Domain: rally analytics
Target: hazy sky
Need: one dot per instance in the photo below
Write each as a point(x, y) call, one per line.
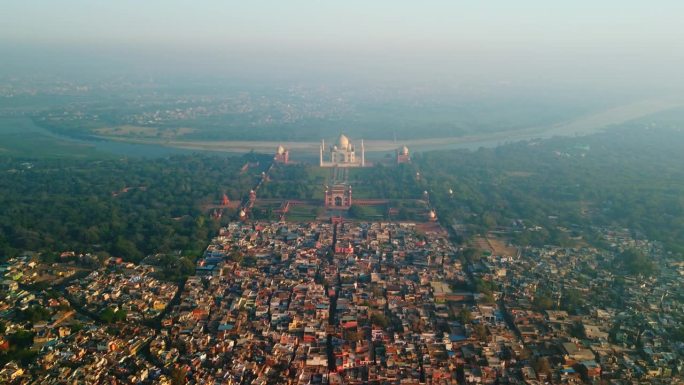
point(362, 23)
point(625, 38)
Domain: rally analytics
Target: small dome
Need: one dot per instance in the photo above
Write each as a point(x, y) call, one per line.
point(343, 142)
point(281, 150)
point(404, 150)
point(432, 214)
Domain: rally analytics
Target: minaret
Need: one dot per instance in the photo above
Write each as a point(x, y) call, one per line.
point(363, 154)
point(321, 152)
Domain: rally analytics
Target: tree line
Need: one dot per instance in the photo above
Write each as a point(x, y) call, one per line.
point(128, 207)
point(557, 190)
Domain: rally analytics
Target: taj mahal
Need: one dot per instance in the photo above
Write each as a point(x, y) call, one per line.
point(342, 154)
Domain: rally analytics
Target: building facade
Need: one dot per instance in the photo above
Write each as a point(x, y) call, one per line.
point(403, 155)
point(342, 154)
point(282, 155)
point(338, 196)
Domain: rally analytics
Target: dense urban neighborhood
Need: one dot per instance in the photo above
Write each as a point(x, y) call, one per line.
point(341, 192)
point(344, 302)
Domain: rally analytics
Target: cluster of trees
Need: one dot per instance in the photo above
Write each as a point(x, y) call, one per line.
point(677, 334)
point(388, 182)
point(465, 316)
point(34, 314)
point(293, 182)
point(568, 299)
point(629, 177)
point(487, 288)
point(544, 299)
point(172, 267)
point(110, 315)
point(380, 320)
point(20, 343)
point(128, 208)
point(634, 262)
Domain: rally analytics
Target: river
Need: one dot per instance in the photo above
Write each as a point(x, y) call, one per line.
point(308, 151)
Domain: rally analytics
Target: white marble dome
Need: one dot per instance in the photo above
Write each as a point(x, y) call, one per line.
point(343, 142)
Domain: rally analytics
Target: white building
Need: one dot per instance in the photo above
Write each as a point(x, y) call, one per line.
point(342, 154)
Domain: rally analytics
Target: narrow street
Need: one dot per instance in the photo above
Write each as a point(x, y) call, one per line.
point(330, 349)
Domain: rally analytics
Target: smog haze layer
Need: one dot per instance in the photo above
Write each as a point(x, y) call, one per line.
point(300, 71)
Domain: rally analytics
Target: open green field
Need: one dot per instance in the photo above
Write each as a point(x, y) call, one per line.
point(370, 213)
point(302, 213)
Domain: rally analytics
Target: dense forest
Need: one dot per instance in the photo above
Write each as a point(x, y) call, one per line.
point(296, 181)
point(128, 208)
point(555, 190)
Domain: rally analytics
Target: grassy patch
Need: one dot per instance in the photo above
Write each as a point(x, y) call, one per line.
point(302, 213)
